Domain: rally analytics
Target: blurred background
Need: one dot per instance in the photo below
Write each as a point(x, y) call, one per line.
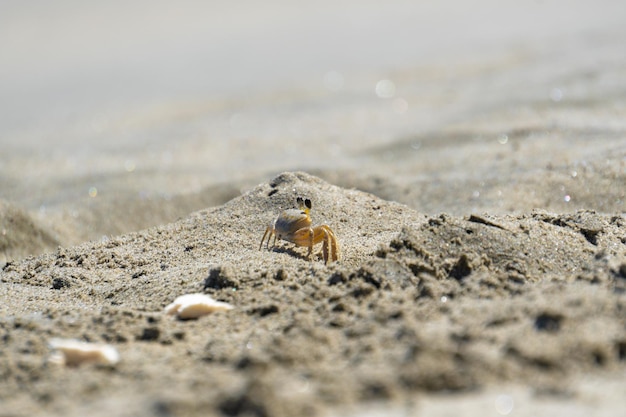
point(116, 116)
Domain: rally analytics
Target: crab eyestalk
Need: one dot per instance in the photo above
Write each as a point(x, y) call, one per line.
point(304, 204)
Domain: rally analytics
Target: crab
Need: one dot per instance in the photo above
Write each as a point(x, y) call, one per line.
point(294, 225)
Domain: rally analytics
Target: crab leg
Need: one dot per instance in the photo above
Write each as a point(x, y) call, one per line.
point(309, 237)
point(331, 241)
point(269, 231)
point(311, 243)
point(325, 248)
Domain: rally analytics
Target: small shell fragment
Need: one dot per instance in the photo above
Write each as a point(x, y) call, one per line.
point(192, 306)
point(72, 352)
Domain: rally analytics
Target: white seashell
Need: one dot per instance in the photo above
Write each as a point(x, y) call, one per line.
point(192, 306)
point(72, 352)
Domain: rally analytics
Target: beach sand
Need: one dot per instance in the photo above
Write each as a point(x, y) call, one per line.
point(479, 208)
point(417, 304)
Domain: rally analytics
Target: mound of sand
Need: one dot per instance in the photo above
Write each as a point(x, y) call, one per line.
point(123, 211)
point(417, 304)
point(21, 235)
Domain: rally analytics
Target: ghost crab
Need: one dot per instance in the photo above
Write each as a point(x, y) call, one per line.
point(294, 225)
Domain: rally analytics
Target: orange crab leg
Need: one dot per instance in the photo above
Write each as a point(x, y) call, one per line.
point(330, 243)
point(268, 232)
point(304, 237)
point(311, 236)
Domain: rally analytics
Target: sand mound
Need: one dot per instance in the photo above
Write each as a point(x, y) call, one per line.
point(417, 304)
point(21, 235)
point(130, 211)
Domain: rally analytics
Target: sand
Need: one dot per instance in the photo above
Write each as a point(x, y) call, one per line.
point(480, 211)
point(417, 304)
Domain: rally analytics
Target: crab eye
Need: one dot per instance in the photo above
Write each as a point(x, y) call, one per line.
point(307, 203)
point(299, 201)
